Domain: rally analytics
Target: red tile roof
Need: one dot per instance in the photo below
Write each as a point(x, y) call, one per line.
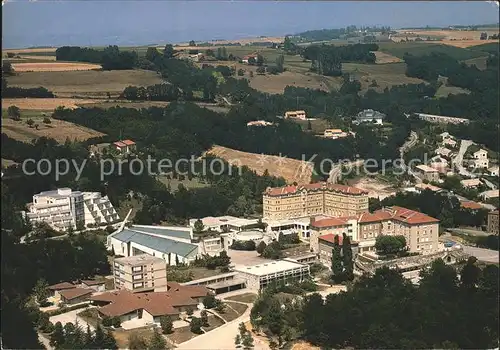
point(281, 191)
point(73, 293)
point(61, 286)
point(330, 222)
point(470, 205)
point(128, 142)
point(156, 303)
point(410, 216)
point(119, 144)
point(331, 238)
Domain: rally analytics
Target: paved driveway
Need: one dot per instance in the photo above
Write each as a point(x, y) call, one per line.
point(486, 255)
point(70, 317)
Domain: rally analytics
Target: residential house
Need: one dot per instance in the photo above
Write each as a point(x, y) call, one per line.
point(321, 198)
point(75, 295)
point(481, 159)
point(64, 208)
point(470, 205)
point(140, 273)
point(150, 307)
point(440, 164)
point(493, 170)
point(493, 222)
point(449, 142)
point(125, 146)
point(96, 285)
point(471, 183)
point(55, 289)
point(259, 123)
point(296, 115)
point(445, 135)
point(422, 187)
point(246, 58)
point(427, 173)
point(420, 230)
point(334, 133)
point(489, 194)
point(370, 116)
point(443, 151)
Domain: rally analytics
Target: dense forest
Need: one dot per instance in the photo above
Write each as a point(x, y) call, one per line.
point(110, 58)
point(16, 92)
point(386, 311)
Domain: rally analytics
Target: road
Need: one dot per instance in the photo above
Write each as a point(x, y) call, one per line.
point(222, 338)
point(490, 184)
point(413, 139)
point(486, 255)
point(335, 173)
point(459, 158)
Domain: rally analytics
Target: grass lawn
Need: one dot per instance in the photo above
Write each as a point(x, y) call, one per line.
point(181, 335)
point(424, 48)
point(213, 322)
point(174, 183)
point(479, 62)
point(91, 83)
point(233, 310)
point(91, 316)
point(125, 206)
point(244, 298)
point(122, 335)
point(318, 126)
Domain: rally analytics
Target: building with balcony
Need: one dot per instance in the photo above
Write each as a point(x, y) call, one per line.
point(291, 202)
point(370, 116)
point(296, 115)
point(481, 159)
point(140, 273)
point(63, 208)
point(427, 173)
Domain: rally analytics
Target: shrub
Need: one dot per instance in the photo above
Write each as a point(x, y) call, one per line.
point(65, 309)
point(209, 302)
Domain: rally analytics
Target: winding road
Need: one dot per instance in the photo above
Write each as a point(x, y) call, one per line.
point(412, 140)
point(459, 158)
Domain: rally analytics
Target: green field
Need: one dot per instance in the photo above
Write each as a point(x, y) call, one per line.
point(423, 48)
point(492, 48)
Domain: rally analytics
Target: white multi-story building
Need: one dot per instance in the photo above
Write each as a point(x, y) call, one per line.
point(64, 208)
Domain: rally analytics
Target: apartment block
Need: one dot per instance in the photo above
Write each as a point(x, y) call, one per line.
point(427, 173)
point(64, 208)
point(140, 273)
point(313, 199)
point(420, 230)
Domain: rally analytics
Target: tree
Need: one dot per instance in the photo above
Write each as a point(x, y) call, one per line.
point(169, 51)
point(152, 54)
point(195, 325)
point(337, 268)
point(260, 60)
point(198, 226)
point(390, 244)
point(57, 337)
point(204, 318)
point(41, 291)
point(469, 276)
point(242, 329)
point(347, 258)
point(192, 43)
point(30, 122)
point(157, 342)
point(166, 324)
point(189, 312)
point(261, 70)
point(261, 247)
point(251, 74)
point(7, 68)
point(47, 120)
point(241, 72)
point(237, 340)
point(247, 341)
point(136, 342)
point(484, 36)
point(220, 308)
point(209, 302)
point(14, 112)
point(309, 125)
point(280, 61)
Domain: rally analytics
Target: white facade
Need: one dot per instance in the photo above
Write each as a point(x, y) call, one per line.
point(225, 223)
point(370, 116)
point(481, 159)
point(64, 208)
point(280, 271)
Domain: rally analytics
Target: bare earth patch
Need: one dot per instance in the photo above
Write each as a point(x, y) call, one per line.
point(43, 58)
point(39, 49)
point(44, 103)
point(448, 35)
point(121, 336)
point(375, 188)
point(57, 129)
point(466, 43)
point(383, 57)
point(292, 170)
point(53, 67)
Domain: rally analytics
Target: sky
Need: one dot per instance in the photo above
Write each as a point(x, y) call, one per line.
point(27, 23)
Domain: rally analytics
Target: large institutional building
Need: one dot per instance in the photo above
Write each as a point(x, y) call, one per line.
point(64, 208)
point(420, 230)
point(140, 273)
point(313, 199)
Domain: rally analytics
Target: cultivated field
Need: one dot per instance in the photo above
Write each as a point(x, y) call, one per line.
point(38, 49)
point(425, 48)
point(53, 66)
point(447, 35)
point(467, 43)
point(292, 170)
point(275, 84)
point(479, 62)
point(384, 57)
point(57, 129)
point(44, 104)
point(85, 83)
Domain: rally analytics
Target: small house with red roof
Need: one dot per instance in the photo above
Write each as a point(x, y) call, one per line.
point(326, 243)
point(125, 146)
